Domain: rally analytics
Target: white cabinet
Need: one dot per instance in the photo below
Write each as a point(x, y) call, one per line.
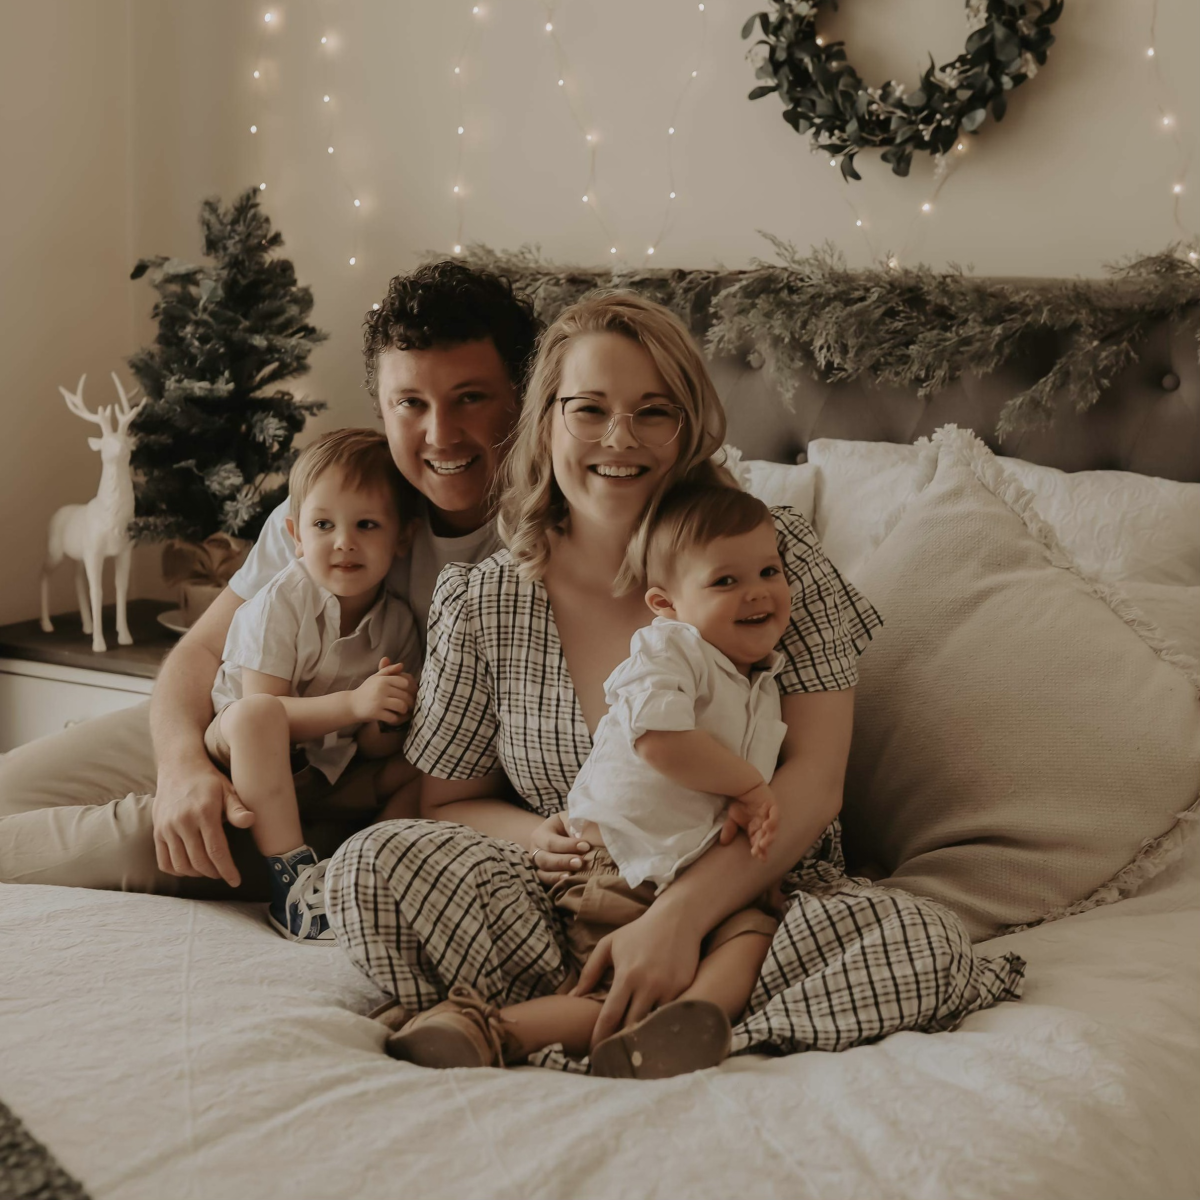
point(39, 698)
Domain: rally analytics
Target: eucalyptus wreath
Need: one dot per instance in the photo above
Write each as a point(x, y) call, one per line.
point(824, 95)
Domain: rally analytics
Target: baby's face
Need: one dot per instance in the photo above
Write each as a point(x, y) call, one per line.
point(348, 537)
point(734, 592)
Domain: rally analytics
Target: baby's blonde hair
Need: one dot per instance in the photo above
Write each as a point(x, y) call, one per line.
point(531, 503)
point(365, 460)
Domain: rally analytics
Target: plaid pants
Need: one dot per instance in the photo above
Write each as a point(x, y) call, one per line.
point(421, 905)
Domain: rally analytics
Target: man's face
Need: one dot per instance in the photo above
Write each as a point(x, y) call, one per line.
point(446, 412)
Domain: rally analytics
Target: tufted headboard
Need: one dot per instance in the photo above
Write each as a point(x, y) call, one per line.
point(1148, 421)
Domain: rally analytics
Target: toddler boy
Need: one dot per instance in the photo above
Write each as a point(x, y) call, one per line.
point(306, 687)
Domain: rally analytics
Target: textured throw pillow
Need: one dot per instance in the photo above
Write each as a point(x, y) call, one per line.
point(1024, 738)
point(1175, 610)
point(861, 490)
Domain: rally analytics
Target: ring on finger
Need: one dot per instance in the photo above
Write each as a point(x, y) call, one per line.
point(533, 856)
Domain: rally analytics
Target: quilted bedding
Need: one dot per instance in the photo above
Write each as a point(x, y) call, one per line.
point(165, 1048)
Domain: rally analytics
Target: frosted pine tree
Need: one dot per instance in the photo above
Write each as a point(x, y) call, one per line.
point(215, 440)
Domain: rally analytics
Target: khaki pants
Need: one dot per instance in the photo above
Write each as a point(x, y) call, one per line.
point(75, 810)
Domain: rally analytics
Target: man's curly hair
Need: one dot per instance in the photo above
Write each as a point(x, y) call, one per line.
point(446, 303)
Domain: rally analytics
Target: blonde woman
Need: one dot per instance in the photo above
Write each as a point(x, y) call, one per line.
point(453, 911)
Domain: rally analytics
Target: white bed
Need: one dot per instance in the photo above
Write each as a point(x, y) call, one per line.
point(174, 1050)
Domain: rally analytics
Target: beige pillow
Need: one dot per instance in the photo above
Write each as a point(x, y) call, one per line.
point(1024, 738)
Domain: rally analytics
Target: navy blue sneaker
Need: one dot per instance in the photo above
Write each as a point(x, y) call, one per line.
point(297, 908)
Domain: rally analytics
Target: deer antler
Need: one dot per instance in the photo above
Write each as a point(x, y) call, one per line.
point(125, 413)
point(75, 404)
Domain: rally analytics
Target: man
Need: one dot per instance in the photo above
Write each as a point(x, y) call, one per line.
point(445, 358)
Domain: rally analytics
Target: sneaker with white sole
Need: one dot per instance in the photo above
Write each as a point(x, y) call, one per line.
point(297, 908)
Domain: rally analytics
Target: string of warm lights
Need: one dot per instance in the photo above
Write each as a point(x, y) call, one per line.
point(264, 78)
point(1168, 123)
point(566, 81)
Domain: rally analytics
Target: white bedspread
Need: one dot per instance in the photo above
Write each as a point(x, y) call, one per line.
point(167, 1050)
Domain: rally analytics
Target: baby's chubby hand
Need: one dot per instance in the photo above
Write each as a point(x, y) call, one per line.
point(757, 812)
point(387, 696)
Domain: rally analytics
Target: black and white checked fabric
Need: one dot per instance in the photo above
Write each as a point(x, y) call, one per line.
point(496, 692)
point(421, 905)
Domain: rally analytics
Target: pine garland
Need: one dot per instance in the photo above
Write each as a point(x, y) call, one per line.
point(911, 327)
point(214, 444)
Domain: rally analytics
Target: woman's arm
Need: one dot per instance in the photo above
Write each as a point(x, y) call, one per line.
point(654, 959)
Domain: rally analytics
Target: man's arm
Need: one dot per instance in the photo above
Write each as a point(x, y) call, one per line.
point(193, 798)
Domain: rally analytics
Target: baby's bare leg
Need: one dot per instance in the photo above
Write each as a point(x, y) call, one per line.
point(551, 1020)
point(256, 728)
point(727, 976)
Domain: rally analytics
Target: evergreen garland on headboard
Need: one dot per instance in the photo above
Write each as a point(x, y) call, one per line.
point(908, 327)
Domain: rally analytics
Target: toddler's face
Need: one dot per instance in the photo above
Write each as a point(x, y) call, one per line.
point(734, 592)
point(348, 537)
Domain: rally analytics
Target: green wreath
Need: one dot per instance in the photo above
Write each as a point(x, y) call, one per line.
point(824, 94)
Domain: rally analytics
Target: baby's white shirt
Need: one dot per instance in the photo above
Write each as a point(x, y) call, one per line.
point(292, 628)
point(673, 679)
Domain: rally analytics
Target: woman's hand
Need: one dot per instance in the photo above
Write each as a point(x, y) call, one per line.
point(554, 852)
point(654, 961)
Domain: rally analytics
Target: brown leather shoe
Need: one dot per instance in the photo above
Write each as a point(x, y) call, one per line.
point(680, 1037)
point(465, 1030)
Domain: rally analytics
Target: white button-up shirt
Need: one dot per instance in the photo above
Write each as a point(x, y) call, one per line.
point(291, 628)
point(673, 679)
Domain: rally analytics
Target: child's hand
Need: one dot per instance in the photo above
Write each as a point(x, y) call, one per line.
point(387, 697)
point(554, 851)
point(757, 812)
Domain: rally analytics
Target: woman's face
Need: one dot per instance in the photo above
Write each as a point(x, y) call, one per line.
point(613, 479)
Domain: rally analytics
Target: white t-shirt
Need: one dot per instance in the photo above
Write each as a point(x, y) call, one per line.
point(672, 679)
point(413, 577)
point(292, 629)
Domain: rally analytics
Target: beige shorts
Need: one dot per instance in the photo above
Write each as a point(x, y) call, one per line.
point(318, 799)
point(597, 900)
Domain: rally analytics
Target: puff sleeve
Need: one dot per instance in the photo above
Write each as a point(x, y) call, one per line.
point(832, 621)
point(453, 732)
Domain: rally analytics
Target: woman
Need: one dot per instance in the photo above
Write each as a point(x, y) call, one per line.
point(519, 648)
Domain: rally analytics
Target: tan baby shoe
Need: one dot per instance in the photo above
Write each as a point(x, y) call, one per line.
point(680, 1037)
point(391, 1013)
point(465, 1030)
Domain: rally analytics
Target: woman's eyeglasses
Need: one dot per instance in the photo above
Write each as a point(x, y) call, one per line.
point(656, 424)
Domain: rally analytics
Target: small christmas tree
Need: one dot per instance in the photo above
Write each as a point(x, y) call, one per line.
point(215, 440)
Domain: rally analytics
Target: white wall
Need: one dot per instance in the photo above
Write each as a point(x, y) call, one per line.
point(155, 101)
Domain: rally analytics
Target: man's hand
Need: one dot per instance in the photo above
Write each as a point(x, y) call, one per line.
point(653, 960)
point(554, 851)
point(757, 812)
point(387, 696)
point(190, 807)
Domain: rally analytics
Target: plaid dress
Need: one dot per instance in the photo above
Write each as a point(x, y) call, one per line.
point(420, 905)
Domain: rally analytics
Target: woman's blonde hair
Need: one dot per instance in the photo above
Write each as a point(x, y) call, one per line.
point(531, 503)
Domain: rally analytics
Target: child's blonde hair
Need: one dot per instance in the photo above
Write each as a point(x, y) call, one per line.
point(531, 503)
point(690, 516)
point(365, 460)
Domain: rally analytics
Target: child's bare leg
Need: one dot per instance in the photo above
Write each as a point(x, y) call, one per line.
point(551, 1020)
point(727, 976)
point(256, 728)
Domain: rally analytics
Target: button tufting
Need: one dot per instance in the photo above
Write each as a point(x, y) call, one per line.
point(1170, 381)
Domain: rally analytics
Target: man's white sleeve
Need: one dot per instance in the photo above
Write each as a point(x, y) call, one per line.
point(273, 551)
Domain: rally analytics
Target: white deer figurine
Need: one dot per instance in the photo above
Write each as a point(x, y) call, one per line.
point(89, 533)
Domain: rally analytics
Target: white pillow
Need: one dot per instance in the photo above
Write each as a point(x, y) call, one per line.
point(774, 483)
point(861, 491)
point(1116, 525)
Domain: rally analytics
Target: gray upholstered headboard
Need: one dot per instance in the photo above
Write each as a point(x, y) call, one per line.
point(1148, 421)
